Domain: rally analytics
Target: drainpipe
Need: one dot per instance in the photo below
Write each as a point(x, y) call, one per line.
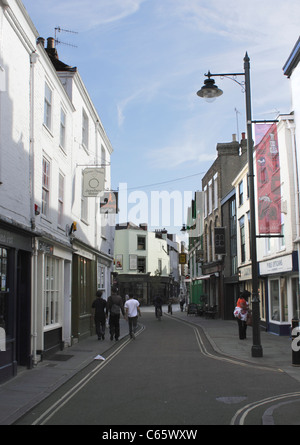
point(34, 300)
point(291, 127)
point(33, 60)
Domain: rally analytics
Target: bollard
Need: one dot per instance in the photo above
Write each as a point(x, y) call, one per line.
point(296, 342)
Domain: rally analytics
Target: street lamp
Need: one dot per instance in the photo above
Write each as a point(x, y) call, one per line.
point(210, 91)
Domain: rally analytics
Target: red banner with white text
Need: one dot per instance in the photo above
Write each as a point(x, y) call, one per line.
point(268, 179)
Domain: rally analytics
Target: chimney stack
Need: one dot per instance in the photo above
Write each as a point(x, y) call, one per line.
point(51, 50)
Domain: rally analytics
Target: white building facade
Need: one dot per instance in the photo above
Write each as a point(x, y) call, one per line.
point(277, 256)
point(146, 263)
point(56, 248)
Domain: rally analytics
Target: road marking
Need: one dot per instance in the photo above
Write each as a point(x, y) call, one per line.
point(267, 418)
point(207, 354)
point(243, 412)
point(49, 413)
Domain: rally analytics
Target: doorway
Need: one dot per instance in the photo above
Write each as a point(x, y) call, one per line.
point(23, 309)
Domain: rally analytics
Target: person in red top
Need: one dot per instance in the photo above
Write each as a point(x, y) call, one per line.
point(241, 313)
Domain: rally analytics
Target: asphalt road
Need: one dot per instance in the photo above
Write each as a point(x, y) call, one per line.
point(168, 375)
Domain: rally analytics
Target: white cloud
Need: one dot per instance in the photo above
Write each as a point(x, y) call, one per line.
point(253, 20)
point(88, 14)
point(174, 156)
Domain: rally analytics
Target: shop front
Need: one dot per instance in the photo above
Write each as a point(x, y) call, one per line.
point(84, 285)
point(282, 284)
point(213, 286)
point(52, 301)
point(145, 287)
point(15, 300)
point(245, 283)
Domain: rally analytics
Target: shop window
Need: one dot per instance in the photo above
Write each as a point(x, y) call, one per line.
point(101, 277)
point(296, 298)
point(51, 291)
point(3, 288)
point(84, 286)
point(283, 298)
point(278, 300)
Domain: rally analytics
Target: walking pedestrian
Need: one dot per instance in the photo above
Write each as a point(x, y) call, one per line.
point(241, 313)
point(99, 312)
point(170, 302)
point(182, 302)
point(114, 308)
point(132, 311)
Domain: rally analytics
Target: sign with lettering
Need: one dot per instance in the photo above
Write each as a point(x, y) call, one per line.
point(93, 182)
point(182, 258)
point(276, 265)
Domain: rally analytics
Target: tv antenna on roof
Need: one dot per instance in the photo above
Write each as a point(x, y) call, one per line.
point(59, 29)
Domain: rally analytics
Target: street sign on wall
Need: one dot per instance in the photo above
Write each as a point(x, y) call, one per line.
point(182, 258)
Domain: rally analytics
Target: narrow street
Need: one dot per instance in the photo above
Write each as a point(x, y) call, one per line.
point(168, 375)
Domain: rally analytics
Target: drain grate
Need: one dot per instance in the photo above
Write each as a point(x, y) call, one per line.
point(60, 357)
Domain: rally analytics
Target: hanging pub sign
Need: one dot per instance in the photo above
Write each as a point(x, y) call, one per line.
point(220, 241)
point(93, 182)
point(109, 202)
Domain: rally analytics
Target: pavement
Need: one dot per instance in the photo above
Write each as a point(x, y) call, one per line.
point(30, 386)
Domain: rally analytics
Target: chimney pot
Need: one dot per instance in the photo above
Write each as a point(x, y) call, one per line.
point(50, 43)
point(40, 41)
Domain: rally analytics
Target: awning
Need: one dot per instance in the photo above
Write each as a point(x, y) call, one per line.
point(202, 277)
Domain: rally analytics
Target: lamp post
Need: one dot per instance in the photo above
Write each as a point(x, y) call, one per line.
point(210, 91)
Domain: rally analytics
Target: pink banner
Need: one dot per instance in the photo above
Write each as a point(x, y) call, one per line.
point(268, 180)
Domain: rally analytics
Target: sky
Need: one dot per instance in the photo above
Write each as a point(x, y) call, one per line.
point(143, 61)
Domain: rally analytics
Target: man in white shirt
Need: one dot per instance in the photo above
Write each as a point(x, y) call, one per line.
point(132, 311)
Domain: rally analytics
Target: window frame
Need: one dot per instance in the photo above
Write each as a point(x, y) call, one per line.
point(46, 176)
point(85, 130)
point(52, 292)
point(61, 192)
point(48, 101)
point(62, 129)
